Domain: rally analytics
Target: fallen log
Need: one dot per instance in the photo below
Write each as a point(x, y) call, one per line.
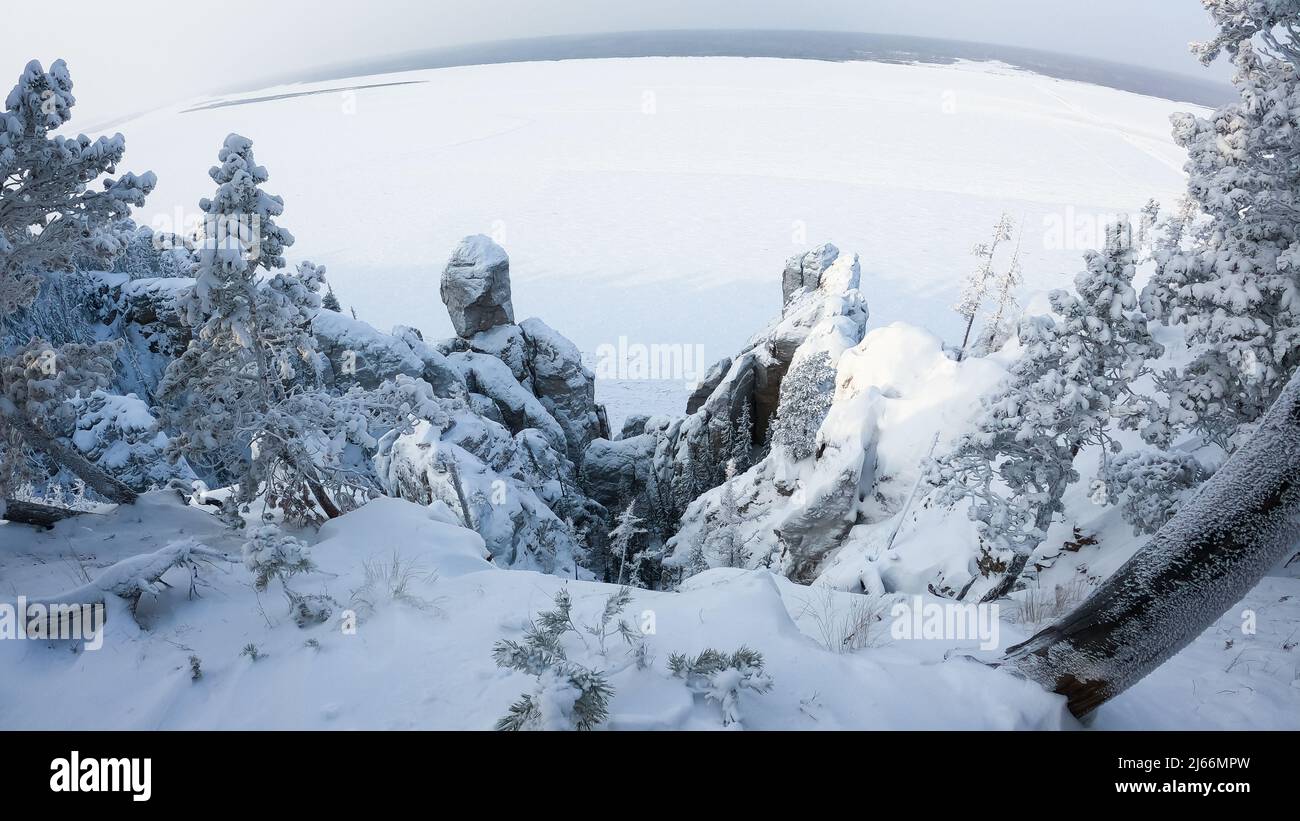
point(35, 514)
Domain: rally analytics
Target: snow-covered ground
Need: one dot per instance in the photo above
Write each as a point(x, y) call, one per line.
point(421, 657)
point(657, 198)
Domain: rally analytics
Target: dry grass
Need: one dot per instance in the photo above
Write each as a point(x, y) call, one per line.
point(845, 627)
point(1038, 606)
point(394, 579)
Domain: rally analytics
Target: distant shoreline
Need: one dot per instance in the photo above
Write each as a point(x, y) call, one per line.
point(803, 45)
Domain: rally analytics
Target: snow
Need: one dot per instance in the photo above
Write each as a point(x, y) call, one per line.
point(428, 652)
point(422, 658)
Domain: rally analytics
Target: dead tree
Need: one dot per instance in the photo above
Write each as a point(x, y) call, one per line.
point(1241, 523)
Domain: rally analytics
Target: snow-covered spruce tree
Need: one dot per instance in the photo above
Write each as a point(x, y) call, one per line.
point(1072, 382)
point(1238, 292)
point(51, 216)
point(330, 302)
point(806, 394)
point(981, 279)
point(1241, 522)
point(742, 441)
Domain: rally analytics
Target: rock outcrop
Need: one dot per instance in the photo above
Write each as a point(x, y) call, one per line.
point(508, 462)
point(476, 286)
point(547, 386)
point(824, 312)
point(564, 385)
point(804, 271)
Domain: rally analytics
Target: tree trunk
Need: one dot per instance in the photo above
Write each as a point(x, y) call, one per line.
point(327, 505)
point(1241, 523)
point(970, 323)
point(37, 515)
point(1004, 585)
point(95, 477)
point(460, 494)
point(1042, 521)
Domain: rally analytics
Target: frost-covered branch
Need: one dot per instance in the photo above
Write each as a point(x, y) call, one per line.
point(137, 575)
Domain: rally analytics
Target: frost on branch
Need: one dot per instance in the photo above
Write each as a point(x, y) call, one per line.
point(1150, 486)
point(132, 578)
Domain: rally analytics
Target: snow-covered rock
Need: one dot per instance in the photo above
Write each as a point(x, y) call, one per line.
point(613, 471)
point(829, 317)
point(496, 489)
point(805, 270)
point(832, 512)
point(633, 425)
point(360, 354)
point(476, 286)
point(507, 343)
point(565, 387)
point(445, 380)
point(490, 377)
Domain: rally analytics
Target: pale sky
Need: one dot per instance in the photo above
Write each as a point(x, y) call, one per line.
point(134, 56)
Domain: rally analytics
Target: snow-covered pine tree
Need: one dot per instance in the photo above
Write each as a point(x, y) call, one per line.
point(981, 279)
point(1001, 323)
point(1072, 382)
point(806, 395)
point(330, 302)
point(219, 389)
point(50, 217)
point(568, 695)
point(721, 677)
point(621, 543)
point(1237, 292)
point(742, 440)
point(149, 255)
point(725, 541)
point(246, 397)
